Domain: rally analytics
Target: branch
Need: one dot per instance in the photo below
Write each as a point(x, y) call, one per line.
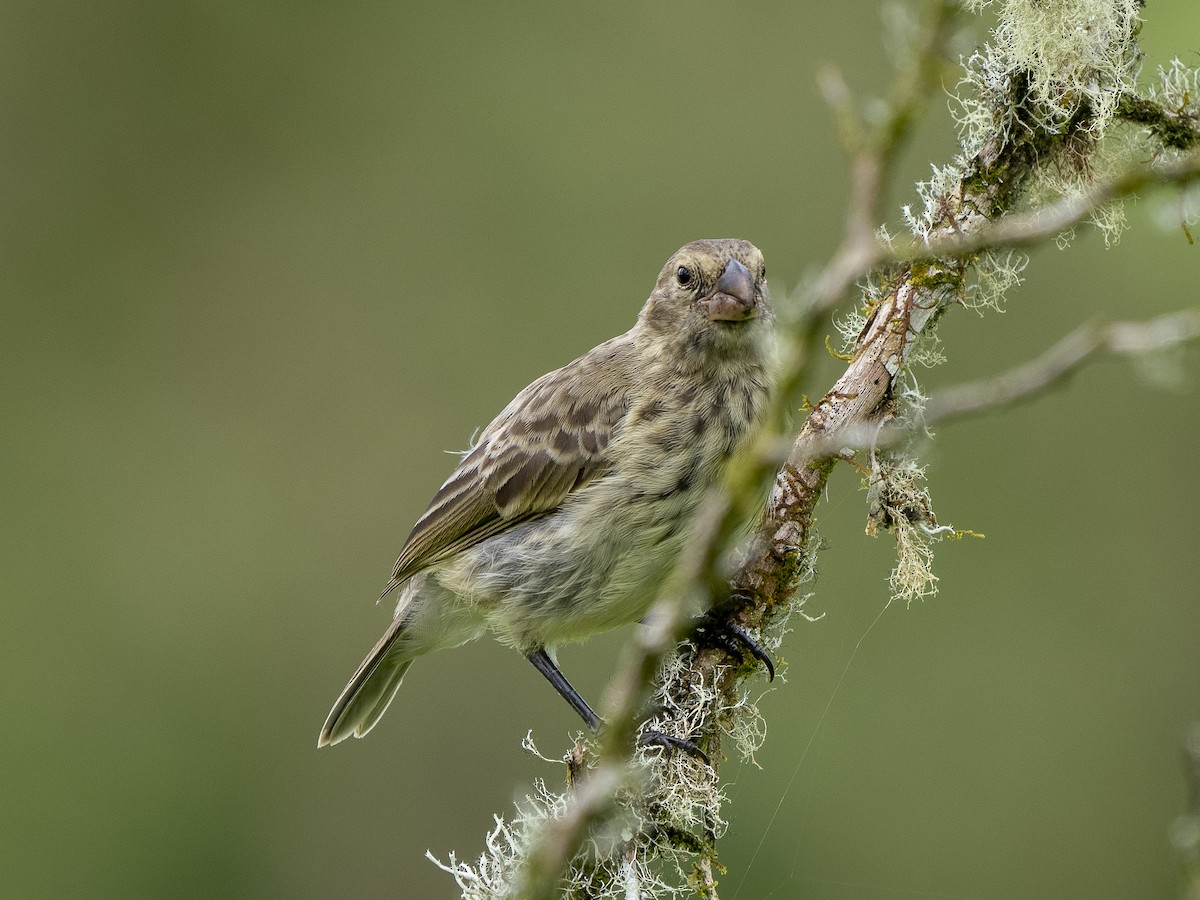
point(1061, 360)
point(1024, 382)
point(1035, 226)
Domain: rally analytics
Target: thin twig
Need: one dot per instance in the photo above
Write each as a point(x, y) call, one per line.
point(1024, 382)
point(1064, 358)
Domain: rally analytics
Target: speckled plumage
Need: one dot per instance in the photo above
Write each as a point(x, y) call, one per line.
point(568, 513)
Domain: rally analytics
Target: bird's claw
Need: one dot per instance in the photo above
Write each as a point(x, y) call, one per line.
point(716, 630)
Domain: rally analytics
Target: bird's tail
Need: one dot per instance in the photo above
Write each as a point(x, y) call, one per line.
point(365, 699)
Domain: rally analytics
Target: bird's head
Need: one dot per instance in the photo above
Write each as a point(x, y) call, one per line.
point(711, 297)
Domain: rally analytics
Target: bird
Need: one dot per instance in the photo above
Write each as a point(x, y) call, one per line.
point(567, 514)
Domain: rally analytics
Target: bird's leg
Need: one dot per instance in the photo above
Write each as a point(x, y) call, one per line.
point(716, 629)
point(544, 664)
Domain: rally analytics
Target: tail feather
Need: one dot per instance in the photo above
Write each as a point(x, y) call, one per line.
point(365, 699)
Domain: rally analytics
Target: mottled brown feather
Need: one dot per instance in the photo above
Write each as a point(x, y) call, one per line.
point(527, 461)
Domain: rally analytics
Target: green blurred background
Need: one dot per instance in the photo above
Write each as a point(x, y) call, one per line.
point(263, 263)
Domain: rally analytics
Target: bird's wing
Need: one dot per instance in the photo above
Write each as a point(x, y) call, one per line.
point(551, 440)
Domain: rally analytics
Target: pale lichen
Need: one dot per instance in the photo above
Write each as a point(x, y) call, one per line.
point(996, 273)
point(1074, 52)
point(1177, 88)
point(899, 502)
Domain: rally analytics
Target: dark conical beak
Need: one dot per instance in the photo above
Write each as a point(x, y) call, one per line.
point(737, 282)
point(733, 300)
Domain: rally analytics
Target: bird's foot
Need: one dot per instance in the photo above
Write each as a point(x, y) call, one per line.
point(717, 630)
point(669, 743)
point(652, 737)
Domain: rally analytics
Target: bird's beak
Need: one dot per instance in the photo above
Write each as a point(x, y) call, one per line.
point(733, 300)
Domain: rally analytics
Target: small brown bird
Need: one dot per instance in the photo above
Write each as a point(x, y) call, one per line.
point(569, 512)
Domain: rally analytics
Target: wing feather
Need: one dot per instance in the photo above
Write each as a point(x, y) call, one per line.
point(549, 442)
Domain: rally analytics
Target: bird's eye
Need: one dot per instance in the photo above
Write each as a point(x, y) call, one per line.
point(683, 275)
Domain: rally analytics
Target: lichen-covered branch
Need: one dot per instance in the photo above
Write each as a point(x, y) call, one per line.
point(1039, 106)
